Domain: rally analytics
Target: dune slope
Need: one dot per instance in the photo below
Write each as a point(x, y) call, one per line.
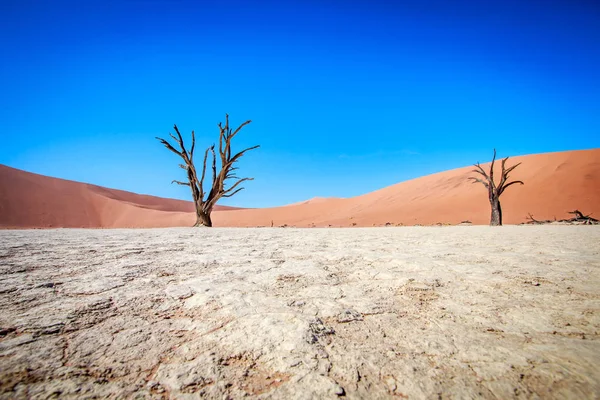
point(30, 200)
point(555, 183)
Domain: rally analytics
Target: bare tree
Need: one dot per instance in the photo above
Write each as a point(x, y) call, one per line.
point(204, 206)
point(494, 191)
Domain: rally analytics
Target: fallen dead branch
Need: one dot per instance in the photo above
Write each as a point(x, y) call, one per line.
point(579, 219)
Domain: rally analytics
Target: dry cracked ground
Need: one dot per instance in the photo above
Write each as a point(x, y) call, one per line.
point(449, 312)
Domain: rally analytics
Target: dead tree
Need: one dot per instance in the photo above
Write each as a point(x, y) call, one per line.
point(494, 191)
point(204, 206)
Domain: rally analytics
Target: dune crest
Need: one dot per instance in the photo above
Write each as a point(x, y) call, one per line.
point(555, 183)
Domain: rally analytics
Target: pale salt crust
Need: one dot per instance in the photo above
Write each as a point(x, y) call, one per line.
point(422, 312)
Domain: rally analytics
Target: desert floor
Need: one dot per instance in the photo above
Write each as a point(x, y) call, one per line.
point(450, 312)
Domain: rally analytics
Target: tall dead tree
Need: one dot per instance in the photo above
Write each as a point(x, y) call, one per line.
point(204, 206)
point(494, 191)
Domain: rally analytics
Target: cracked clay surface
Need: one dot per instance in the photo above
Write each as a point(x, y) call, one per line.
point(415, 312)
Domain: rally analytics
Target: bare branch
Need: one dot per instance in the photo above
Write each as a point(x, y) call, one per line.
point(475, 180)
point(224, 138)
point(236, 184)
point(481, 171)
point(503, 188)
point(535, 221)
point(505, 173)
point(201, 184)
point(241, 153)
point(239, 128)
point(193, 145)
point(197, 192)
point(168, 146)
point(174, 138)
point(231, 194)
point(578, 214)
point(509, 170)
point(577, 219)
point(214, 164)
point(180, 140)
point(221, 137)
point(180, 183)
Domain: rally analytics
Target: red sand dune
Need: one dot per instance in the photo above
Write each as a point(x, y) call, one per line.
point(554, 184)
point(35, 201)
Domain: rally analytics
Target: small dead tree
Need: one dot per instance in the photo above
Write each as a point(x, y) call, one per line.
point(204, 206)
point(494, 191)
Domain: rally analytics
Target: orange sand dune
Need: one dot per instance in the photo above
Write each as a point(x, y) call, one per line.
point(554, 184)
point(35, 201)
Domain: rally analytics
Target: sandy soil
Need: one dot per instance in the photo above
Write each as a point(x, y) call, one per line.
point(415, 312)
point(555, 183)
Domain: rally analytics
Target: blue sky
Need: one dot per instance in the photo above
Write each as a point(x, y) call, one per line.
point(346, 97)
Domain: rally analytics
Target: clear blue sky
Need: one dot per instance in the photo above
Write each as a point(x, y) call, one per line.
point(346, 96)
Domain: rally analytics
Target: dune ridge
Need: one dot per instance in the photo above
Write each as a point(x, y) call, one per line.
point(555, 183)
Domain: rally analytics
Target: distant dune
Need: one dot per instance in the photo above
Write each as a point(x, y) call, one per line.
point(555, 183)
point(35, 201)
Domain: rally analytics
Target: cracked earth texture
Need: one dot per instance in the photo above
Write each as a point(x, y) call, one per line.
point(412, 312)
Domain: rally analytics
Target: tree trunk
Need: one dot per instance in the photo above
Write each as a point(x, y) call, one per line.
point(203, 219)
point(496, 219)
